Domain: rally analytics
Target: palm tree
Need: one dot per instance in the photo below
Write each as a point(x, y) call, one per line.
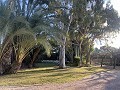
point(18, 36)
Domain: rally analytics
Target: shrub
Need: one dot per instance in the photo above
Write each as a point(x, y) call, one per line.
point(76, 61)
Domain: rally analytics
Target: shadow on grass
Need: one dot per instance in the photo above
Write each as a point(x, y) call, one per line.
point(52, 71)
point(43, 71)
point(48, 75)
point(57, 72)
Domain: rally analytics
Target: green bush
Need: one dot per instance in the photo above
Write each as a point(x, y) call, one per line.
point(76, 61)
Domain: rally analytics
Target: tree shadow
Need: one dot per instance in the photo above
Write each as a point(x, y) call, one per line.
point(114, 83)
point(106, 80)
point(47, 72)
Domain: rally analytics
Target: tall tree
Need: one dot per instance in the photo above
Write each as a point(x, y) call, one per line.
point(90, 18)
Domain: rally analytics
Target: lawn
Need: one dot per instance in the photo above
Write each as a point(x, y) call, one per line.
point(45, 75)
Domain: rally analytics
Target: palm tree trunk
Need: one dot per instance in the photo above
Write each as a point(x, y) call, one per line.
point(35, 54)
point(5, 61)
point(1, 68)
point(14, 67)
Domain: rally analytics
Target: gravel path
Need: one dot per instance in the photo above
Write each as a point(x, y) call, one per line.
point(109, 80)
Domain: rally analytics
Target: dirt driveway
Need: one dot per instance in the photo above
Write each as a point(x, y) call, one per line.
point(108, 80)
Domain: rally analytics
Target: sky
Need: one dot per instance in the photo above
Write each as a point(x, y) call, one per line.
point(116, 5)
point(114, 42)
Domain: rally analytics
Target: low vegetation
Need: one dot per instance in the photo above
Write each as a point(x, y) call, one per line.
point(45, 75)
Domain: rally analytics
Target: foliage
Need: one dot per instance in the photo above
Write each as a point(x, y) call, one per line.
point(76, 61)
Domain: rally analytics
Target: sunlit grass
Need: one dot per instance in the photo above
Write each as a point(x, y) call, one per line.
point(48, 75)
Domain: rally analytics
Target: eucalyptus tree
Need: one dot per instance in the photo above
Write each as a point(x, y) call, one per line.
point(106, 21)
point(82, 21)
point(64, 18)
point(90, 18)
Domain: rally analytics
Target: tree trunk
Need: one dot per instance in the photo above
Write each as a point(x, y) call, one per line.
point(35, 54)
point(14, 67)
point(72, 56)
point(102, 62)
point(111, 61)
point(1, 68)
point(88, 56)
point(90, 61)
point(5, 61)
point(80, 64)
point(76, 51)
point(62, 55)
point(114, 63)
point(23, 7)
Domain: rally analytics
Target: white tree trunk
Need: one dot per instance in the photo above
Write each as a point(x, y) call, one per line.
point(62, 54)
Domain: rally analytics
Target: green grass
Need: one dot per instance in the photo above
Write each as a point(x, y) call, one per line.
point(48, 75)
